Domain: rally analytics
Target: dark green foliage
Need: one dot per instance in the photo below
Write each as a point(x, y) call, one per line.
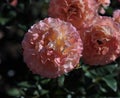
point(16, 81)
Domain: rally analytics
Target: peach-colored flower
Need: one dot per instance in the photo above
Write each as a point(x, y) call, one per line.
point(116, 16)
point(81, 13)
point(102, 42)
point(52, 47)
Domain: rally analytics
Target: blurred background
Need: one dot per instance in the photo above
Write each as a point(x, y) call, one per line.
point(16, 81)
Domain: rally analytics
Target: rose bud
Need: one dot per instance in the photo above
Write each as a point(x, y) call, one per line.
point(52, 47)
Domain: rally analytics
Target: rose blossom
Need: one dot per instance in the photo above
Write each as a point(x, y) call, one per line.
point(52, 47)
point(102, 42)
point(81, 13)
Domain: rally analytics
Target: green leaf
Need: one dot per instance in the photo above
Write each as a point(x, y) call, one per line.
point(101, 71)
point(88, 74)
point(61, 81)
point(24, 84)
point(45, 81)
point(37, 78)
point(36, 93)
point(43, 92)
point(39, 87)
point(109, 10)
point(14, 92)
point(85, 68)
point(102, 89)
point(12, 14)
point(110, 68)
point(111, 82)
point(3, 21)
point(23, 27)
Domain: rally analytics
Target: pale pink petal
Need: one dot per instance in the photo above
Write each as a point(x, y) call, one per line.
point(116, 16)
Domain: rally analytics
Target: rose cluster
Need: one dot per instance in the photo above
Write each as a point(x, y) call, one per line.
point(74, 30)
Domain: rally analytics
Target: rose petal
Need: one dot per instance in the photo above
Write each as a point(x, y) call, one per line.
point(116, 16)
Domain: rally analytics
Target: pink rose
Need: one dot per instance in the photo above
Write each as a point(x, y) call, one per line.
point(81, 13)
point(52, 47)
point(102, 42)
